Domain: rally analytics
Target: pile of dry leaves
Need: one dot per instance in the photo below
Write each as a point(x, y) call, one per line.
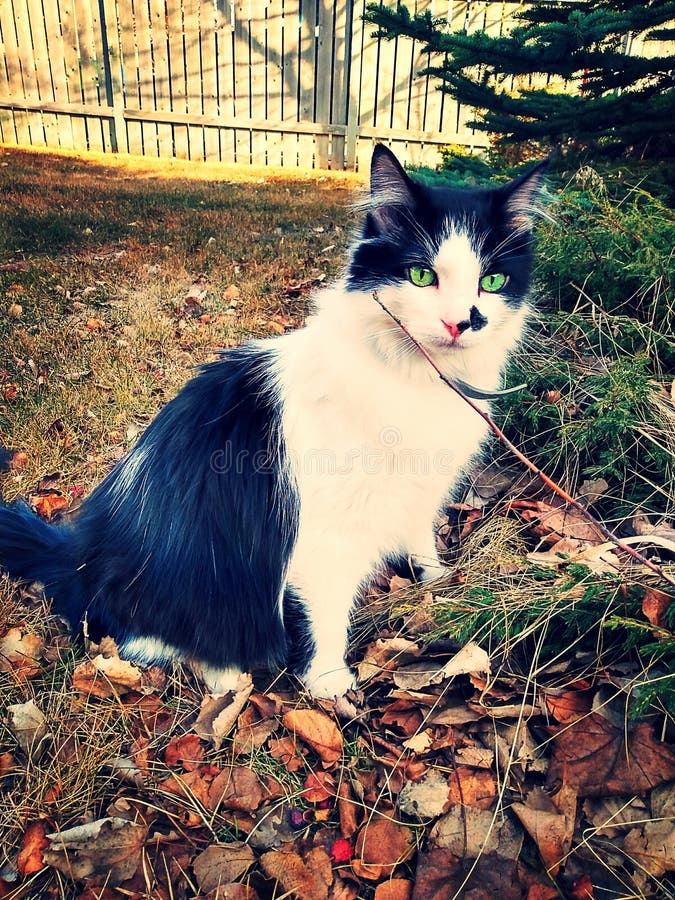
point(439, 778)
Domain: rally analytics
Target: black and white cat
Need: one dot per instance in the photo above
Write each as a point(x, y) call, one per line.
point(297, 465)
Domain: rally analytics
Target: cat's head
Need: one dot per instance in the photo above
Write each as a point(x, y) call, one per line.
point(453, 264)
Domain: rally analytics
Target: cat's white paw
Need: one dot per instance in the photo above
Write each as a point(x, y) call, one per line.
point(329, 684)
point(218, 681)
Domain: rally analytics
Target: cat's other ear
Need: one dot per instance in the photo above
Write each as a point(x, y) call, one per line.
point(520, 194)
point(389, 184)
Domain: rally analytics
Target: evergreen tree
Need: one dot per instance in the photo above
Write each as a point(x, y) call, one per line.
point(611, 100)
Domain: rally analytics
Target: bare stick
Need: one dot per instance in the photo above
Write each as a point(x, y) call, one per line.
point(635, 554)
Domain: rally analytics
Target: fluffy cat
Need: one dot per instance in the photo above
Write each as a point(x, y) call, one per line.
point(297, 465)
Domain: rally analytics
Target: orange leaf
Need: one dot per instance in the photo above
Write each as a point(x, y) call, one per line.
point(570, 706)
point(396, 889)
point(33, 843)
point(472, 787)
point(186, 751)
point(382, 844)
point(318, 730)
point(654, 606)
point(599, 759)
point(319, 787)
point(47, 504)
point(306, 879)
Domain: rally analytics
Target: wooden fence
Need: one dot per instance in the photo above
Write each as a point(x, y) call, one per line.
point(276, 82)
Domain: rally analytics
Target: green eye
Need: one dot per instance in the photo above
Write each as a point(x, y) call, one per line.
point(493, 283)
point(421, 277)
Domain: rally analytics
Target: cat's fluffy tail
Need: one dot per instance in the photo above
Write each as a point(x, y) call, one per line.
point(37, 551)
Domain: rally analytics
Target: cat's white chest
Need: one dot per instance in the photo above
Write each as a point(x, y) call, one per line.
point(374, 456)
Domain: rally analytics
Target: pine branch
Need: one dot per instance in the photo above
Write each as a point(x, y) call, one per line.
point(561, 492)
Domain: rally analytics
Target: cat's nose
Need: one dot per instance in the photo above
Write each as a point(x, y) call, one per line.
point(456, 328)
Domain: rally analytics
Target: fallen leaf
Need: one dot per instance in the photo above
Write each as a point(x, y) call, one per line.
point(18, 461)
point(222, 863)
point(433, 875)
point(598, 759)
point(231, 292)
point(553, 523)
point(349, 811)
point(318, 730)
point(385, 654)
point(21, 651)
point(186, 751)
point(569, 706)
point(441, 876)
point(307, 879)
point(252, 731)
point(419, 743)
point(396, 889)
point(46, 505)
point(284, 749)
point(425, 799)
point(218, 715)
point(406, 715)
point(112, 847)
point(319, 787)
point(550, 829)
point(582, 889)
point(106, 677)
point(236, 788)
point(29, 726)
point(34, 841)
point(655, 604)
point(468, 832)
point(652, 847)
point(613, 816)
point(471, 787)
point(381, 845)
point(470, 659)
point(273, 826)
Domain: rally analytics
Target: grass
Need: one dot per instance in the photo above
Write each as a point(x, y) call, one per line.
point(117, 278)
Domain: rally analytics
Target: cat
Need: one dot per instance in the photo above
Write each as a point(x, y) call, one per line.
point(241, 527)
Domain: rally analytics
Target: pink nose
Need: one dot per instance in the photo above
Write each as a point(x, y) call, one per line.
point(451, 328)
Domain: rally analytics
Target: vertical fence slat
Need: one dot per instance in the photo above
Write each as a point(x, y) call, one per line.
point(257, 36)
point(307, 78)
point(71, 56)
point(57, 67)
point(8, 133)
point(44, 81)
point(26, 82)
point(193, 85)
point(324, 78)
point(274, 79)
point(209, 74)
point(130, 67)
point(226, 75)
point(174, 27)
point(160, 71)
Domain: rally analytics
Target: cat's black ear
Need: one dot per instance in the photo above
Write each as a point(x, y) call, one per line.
point(520, 194)
point(389, 184)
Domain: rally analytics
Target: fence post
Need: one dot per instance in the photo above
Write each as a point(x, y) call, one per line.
point(353, 61)
point(113, 74)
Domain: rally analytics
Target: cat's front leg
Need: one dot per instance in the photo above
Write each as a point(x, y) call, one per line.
point(328, 599)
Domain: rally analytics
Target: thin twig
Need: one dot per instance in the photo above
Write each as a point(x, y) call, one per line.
point(561, 492)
